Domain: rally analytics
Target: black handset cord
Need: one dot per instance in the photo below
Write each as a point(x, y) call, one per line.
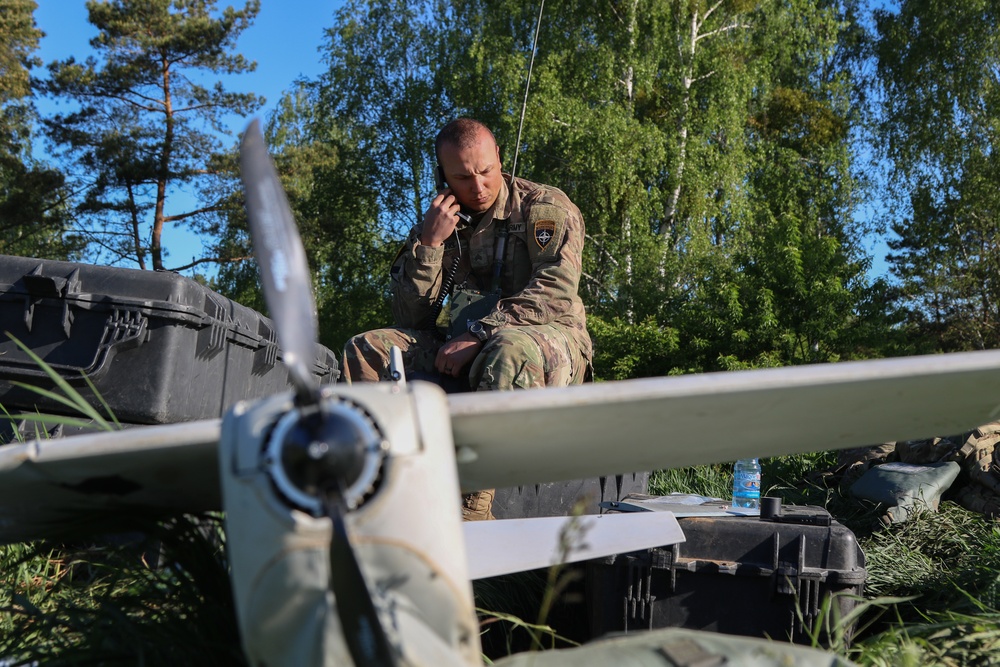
point(446, 285)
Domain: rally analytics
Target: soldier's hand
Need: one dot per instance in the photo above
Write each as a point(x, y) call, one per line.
point(457, 354)
point(440, 219)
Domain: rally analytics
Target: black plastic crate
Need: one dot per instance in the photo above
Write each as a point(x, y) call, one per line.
point(159, 347)
point(562, 498)
point(739, 575)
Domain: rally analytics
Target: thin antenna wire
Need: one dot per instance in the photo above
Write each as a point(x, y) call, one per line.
point(524, 106)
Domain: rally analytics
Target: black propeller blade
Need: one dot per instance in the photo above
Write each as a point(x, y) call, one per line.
point(321, 455)
point(363, 633)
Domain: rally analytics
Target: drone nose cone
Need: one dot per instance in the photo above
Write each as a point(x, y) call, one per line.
point(329, 450)
point(324, 451)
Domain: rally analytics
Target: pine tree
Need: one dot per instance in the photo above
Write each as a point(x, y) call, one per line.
point(148, 118)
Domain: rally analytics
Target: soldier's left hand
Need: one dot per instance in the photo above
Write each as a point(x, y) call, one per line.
point(456, 354)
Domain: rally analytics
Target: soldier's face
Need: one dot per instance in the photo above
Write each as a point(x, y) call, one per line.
point(473, 172)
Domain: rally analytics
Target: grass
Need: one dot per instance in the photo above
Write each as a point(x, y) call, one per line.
point(159, 596)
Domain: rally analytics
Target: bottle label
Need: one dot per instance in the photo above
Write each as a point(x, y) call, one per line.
point(746, 484)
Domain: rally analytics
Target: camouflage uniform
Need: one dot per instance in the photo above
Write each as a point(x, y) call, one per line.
point(537, 333)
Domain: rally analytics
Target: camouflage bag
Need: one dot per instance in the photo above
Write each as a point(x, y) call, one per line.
point(978, 485)
point(906, 488)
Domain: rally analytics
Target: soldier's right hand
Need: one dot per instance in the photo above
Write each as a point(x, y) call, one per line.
point(440, 219)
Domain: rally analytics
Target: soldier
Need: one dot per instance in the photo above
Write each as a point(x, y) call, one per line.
point(509, 257)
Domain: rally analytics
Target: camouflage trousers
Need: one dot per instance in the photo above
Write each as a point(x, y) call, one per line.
point(513, 358)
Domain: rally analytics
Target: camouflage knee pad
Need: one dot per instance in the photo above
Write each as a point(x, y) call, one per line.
point(527, 357)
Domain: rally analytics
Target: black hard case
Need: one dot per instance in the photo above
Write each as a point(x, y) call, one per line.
point(159, 347)
point(582, 496)
point(735, 575)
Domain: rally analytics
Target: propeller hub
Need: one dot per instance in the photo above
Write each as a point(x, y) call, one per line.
point(332, 447)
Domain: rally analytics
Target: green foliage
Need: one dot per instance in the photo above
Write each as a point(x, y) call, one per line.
point(624, 351)
point(143, 123)
point(326, 176)
point(380, 92)
point(938, 127)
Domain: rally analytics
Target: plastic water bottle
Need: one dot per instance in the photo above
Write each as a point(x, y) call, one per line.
point(746, 484)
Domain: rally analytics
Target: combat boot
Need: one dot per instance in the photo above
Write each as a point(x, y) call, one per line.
point(478, 506)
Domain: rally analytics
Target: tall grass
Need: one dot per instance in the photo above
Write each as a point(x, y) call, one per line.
point(157, 597)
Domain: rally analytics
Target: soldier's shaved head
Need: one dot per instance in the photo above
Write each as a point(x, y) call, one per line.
point(461, 132)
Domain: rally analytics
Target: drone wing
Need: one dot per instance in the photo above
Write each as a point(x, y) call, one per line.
point(49, 487)
point(516, 438)
point(515, 545)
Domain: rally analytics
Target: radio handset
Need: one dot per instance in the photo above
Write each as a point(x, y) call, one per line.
point(439, 181)
point(440, 184)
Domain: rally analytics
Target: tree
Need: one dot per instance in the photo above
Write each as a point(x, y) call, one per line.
point(940, 130)
point(145, 125)
point(32, 197)
point(802, 273)
point(705, 142)
point(380, 88)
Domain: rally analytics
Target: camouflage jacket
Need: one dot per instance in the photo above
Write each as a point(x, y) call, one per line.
point(541, 269)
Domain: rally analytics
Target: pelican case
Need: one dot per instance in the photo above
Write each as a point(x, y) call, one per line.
point(738, 575)
point(159, 347)
point(583, 496)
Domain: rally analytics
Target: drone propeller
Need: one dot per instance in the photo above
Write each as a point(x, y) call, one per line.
point(284, 271)
point(321, 453)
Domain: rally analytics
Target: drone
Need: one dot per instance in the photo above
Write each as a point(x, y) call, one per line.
point(341, 502)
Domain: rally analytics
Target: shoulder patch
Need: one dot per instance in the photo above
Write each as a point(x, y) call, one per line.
point(545, 231)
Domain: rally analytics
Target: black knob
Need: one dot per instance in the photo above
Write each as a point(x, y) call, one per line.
point(770, 508)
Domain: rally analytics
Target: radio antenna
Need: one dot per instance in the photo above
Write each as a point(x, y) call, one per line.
point(524, 105)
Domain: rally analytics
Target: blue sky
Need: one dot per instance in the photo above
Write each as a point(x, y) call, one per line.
point(283, 40)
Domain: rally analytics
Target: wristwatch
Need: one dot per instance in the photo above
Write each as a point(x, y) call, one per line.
point(479, 331)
